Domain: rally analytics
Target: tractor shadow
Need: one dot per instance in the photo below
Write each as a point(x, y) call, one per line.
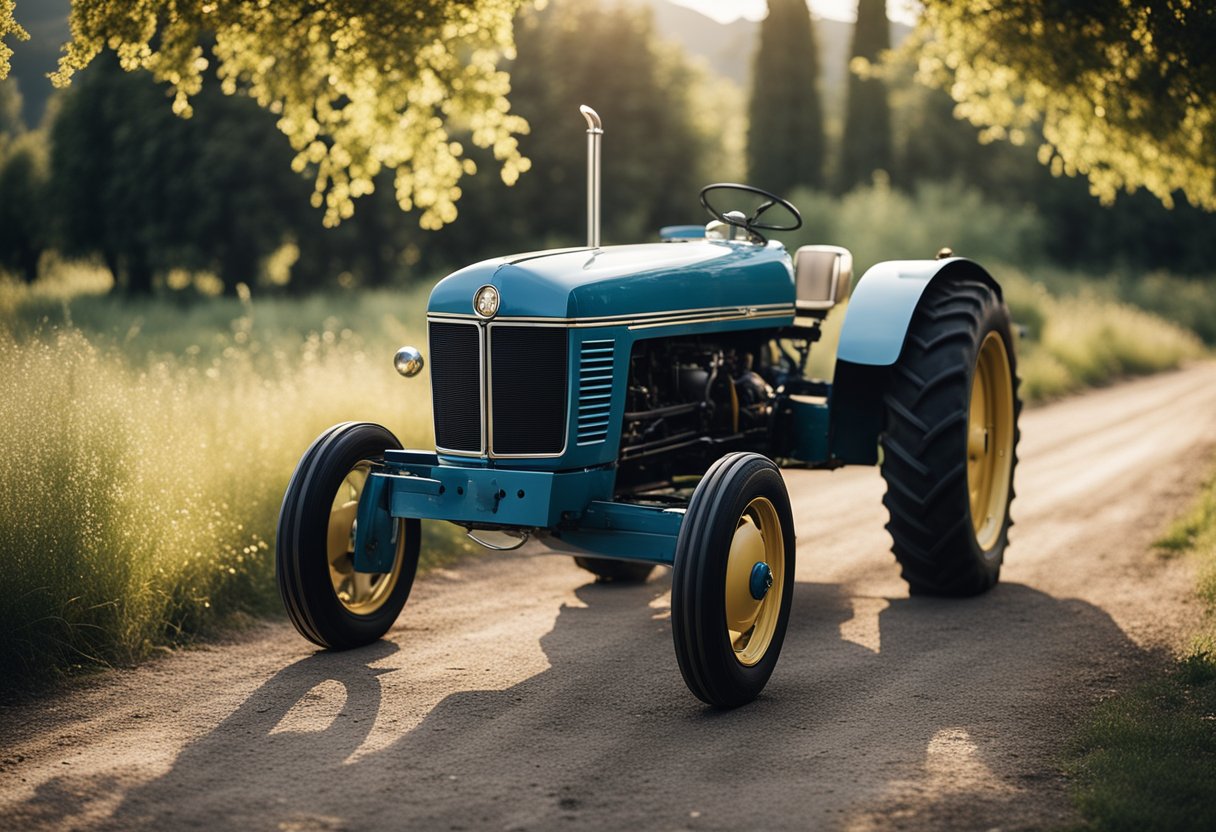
point(952, 701)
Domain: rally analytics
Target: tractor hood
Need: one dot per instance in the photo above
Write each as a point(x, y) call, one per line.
point(623, 280)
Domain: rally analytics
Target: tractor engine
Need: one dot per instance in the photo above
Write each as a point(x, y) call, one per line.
point(688, 401)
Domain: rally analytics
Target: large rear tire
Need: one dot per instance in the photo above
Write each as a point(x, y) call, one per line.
point(733, 580)
point(950, 445)
point(330, 603)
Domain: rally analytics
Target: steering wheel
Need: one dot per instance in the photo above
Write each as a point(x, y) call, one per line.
point(741, 220)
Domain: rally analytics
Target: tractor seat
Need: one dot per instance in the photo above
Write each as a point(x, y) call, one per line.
point(822, 278)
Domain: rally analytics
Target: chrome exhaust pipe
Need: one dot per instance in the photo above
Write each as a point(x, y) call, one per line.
point(595, 131)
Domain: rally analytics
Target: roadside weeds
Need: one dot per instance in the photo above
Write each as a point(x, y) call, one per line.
point(1146, 758)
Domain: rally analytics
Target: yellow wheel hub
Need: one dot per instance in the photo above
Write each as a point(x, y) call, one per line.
point(755, 566)
point(361, 593)
point(990, 440)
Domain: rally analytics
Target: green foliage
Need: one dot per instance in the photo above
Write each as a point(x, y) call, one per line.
point(357, 87)
point(24, 188)
point(656, 145)
point(1146, 759)
point(143, 471)
point(11, 122)
point(785, 136)
point(1123, 92)
point(150, 192)
point(866, 146)
point(8, 26)
point(1087, 341)
point(879, 222)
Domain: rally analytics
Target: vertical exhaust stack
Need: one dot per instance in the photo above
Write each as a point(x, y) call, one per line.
point(595, 132)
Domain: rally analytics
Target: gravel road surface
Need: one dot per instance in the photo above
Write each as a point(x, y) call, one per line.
point(514, 693)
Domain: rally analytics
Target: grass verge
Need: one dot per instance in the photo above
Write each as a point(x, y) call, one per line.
point(143, 467)
point(1146, 759)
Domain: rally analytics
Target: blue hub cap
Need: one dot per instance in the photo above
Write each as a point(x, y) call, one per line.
point(761, 580)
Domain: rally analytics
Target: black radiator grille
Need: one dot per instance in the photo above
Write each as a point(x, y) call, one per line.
point(456, 386)
point(528, 389)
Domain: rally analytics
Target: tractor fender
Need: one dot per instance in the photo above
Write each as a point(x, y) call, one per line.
point(871, 340)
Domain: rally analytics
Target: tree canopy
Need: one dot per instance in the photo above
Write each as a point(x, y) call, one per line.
point(1124, 92)
point(357, 86)
point(8, 26)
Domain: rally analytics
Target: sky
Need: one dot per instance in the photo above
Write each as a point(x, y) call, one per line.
point(725, 11)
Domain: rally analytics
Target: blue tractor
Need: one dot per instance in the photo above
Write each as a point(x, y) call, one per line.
point(632, 406)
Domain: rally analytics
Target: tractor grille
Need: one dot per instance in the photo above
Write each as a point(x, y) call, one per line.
point(528, 389)
point(456, 386)
point(594, 391)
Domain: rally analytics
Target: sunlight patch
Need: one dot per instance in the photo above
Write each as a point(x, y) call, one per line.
point(862, 629)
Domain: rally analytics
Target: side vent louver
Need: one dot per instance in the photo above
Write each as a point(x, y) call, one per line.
point(594, 391)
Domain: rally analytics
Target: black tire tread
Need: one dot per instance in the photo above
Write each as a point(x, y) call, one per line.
point(326, 624)
point(695, 597)
point(923, 464)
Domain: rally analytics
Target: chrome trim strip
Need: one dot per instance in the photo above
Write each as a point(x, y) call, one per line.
point(637, 318)
point(745, 315)
point(481, 375)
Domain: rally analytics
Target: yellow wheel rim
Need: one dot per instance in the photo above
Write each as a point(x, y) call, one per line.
point(751, 622)
point(990, 440)
point(362, 593)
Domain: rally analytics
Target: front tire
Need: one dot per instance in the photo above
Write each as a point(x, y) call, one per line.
point(733, 580)
point(950, 446)
point(328, 602)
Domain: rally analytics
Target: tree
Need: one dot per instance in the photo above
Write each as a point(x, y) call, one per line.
point(866, 146)
point(1124, 93)
point(785, 138)
point(356, 86)
point(656, 146)
point(150, 191)
point(11, 122)
point(24, 233)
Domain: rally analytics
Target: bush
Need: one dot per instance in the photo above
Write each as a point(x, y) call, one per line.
point(880, 223)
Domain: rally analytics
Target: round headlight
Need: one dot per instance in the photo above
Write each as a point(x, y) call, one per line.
point(408, 361)
point(485, 302)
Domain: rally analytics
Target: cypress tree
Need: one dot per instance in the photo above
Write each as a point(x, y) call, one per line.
point(785, 141)
point(866, 146)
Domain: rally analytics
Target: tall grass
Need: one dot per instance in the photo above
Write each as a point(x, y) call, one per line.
point(1087, 340)
point(138, 497)
point(1146, 757)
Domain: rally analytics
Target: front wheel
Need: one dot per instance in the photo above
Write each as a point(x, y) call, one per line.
point(330, 603)
point(733, 580)
point(950, 446)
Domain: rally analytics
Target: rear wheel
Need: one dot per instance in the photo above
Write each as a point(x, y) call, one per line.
point(733, 580)
point(616, 571)
point(330, 603)
point(949, 450)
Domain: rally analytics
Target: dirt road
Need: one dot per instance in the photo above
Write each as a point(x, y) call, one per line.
point(515, 694)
